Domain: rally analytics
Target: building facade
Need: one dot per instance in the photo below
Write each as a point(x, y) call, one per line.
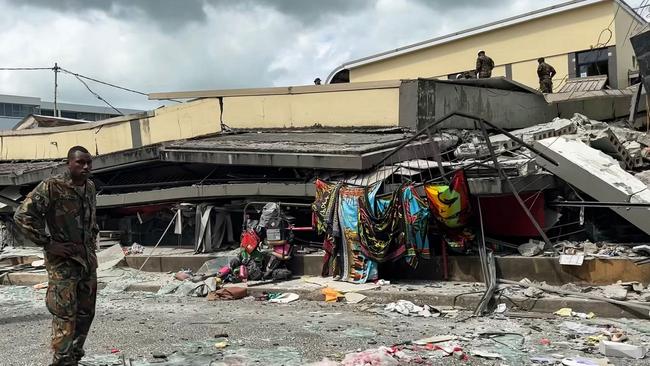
point(579, 38)
point(14, 108)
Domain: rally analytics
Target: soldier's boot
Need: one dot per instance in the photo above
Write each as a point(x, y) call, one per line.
point(64, 361)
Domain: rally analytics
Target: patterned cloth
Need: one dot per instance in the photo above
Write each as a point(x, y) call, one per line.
point(381, 228)
point(416, 227)
point(357, 267)
point(325, 218)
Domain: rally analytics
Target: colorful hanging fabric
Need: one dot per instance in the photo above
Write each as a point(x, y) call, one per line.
point(325, 219)
point(416, 226)
point(357, 267)
point(325, 207)
point(381, 227)
point(450, 204)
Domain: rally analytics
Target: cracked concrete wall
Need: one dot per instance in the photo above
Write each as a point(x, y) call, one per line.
point(164, 124)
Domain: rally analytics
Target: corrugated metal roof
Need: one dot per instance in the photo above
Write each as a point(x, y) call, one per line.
point(588, 83)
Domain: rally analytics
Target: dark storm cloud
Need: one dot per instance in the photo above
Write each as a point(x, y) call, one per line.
point(170, 12)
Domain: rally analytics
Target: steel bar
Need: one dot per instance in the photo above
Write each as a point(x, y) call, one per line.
point(598, 204)
point(515, 193)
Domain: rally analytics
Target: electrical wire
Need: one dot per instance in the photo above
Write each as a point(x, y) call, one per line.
point(99, 96)
point(80, 76)
point(25, 68)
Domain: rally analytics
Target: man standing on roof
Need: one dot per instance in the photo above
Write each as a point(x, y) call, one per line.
point(545, 72)
point(59, 215)
point(484, 65)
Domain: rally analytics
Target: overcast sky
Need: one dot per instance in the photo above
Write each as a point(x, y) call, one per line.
point(175, 45)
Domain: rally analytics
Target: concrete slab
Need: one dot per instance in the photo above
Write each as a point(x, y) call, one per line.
point(598, 175)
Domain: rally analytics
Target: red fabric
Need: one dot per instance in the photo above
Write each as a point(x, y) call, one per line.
point(503, 216)
point(249, 241)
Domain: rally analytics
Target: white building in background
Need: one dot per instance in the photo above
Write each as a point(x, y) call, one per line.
point(14, 109)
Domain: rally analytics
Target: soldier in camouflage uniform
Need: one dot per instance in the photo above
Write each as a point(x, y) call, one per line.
point(484, 65)
point(59, 215)
point(545, 72)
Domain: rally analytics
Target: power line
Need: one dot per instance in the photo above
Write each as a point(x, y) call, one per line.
point(77, 75)
point(102, 82)
point(24, 68)
point(98, 96)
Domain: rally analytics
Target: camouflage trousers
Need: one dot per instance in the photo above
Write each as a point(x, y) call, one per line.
point(70, 299)
point(546, 85)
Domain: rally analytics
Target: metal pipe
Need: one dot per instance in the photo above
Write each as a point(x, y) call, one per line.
point(515, 193)
point(598, 204)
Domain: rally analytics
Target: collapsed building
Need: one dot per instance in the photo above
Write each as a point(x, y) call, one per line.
point(210, 164)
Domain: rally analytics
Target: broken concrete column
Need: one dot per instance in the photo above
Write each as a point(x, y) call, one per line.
point(596, 174)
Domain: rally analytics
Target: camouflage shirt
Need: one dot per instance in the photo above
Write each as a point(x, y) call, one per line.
point(57, 210)
point(545, 71)
point(484, 66)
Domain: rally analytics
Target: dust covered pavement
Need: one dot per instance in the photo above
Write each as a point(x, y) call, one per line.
point(184, 331)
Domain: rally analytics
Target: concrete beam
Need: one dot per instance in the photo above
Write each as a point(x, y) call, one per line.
point(302, 190)
point(495, 185)
point(354, 162)
point(598, 175)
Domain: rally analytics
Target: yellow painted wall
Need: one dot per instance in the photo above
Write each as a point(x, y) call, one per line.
point(371, 107)
point(557, 34)
point(169, 123)
point(526, 72)
point(183, 121)
point(625, 26)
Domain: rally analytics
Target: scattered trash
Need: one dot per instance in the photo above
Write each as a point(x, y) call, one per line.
point(486, 354)
point(405, 307)
point(533, 292)
point(435, 339)
point(566, 312)
point(380, 356)
point(382, 282)
point(354, 298)
point(115, 350)
point(135, 248)
point(501, 308)
point(285, 298)
point(580, 361)
point(532, 248)
point(543, 360)
point(183, 275)
point(580, 328)
point(228, 293)
point(545, 342)
point(614, 349)
point(331, 295)
point(220, 345)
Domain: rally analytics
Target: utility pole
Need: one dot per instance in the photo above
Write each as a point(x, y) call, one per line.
point(56, 85)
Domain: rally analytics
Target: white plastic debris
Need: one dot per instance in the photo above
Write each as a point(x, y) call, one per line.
point(617, 349)
point(405, 307)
